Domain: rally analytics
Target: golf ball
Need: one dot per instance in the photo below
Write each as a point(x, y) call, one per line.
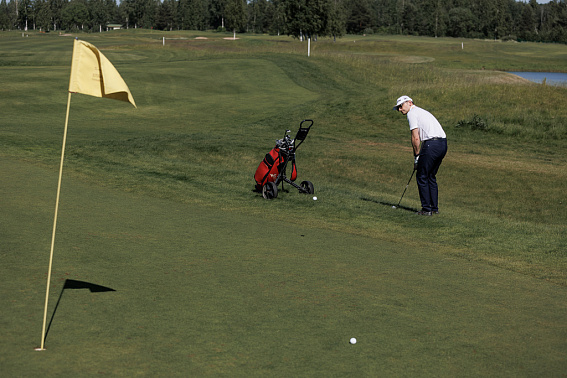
point(353, 340)
point(314, 198)
point(393, 207)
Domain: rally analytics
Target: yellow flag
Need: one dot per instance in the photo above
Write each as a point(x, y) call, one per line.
point(93, 74)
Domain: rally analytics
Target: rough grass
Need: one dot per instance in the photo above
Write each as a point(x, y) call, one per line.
point(206, 120)
point(169, 185)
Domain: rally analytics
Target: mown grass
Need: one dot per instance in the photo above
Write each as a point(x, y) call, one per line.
point(209, 110)
point(203, 291)
point(206, 119)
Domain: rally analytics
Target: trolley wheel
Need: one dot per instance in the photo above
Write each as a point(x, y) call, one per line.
point(308, 186)
point(270, 190)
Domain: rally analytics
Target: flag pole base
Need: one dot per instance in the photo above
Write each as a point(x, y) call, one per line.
point(40, 349)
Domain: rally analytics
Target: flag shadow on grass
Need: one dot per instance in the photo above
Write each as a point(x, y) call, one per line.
point(74, 284)
point(389, 204)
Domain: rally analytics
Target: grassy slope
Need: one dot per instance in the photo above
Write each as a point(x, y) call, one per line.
point(198, 292)
point(209, 110)
point(197, 139)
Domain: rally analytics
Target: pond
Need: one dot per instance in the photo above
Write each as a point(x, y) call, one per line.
point(551, 78)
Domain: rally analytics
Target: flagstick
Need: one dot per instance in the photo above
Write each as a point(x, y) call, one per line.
point(54, 226)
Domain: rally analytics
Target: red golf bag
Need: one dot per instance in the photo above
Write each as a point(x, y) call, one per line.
point(270, 167)
point(272, 171)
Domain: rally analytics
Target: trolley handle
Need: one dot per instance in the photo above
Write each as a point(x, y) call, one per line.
point(302, 132)
point(306, 120)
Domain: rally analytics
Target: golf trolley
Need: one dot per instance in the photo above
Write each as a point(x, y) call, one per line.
point(272, 170)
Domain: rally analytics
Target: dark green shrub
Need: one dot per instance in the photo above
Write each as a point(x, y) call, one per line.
point(475, 123)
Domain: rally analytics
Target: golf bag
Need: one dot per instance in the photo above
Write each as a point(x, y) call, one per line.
point(272, 169)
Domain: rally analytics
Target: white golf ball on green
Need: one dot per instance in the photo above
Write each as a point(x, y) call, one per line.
point(353, 340)
point(314, 198)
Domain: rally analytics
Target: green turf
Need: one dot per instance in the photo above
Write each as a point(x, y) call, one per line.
point(201, 291)
point(210, 279)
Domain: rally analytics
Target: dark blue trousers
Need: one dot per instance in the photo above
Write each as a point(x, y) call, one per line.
point(430, 157)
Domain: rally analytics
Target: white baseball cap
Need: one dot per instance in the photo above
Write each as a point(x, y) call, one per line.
point(401, 100)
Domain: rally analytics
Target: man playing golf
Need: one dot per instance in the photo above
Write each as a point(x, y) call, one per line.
point(429, 148)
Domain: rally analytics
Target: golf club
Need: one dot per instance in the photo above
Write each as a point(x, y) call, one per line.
point(405, 188)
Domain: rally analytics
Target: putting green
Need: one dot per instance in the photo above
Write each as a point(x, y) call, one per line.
point(201, 291)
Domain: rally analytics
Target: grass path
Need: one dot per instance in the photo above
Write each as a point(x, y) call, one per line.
point(201, 291)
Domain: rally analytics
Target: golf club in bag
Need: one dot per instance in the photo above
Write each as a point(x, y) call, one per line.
point(272, 170)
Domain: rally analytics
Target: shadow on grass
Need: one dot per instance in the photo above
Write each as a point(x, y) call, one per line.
point(389, 204)
point(74, 284)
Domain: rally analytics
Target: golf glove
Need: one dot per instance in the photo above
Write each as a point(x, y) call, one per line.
point(415, 162)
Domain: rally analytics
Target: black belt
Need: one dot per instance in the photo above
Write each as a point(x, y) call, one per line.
point(436, 138)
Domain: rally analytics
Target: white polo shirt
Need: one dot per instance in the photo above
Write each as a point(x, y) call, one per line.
point(428, 125)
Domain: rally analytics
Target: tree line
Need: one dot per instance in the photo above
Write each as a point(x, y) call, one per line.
point(494, 19)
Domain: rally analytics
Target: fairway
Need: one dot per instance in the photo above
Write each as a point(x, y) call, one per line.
point(200, 291)
point(167, 263)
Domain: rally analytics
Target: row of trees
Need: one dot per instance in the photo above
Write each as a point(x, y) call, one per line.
point(454, 18)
